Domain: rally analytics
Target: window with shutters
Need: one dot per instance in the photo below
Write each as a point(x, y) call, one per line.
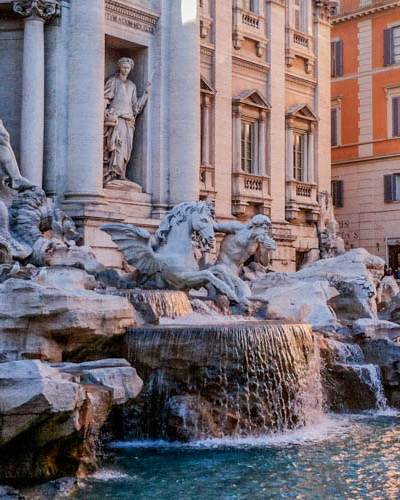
point(335, 127)
point(337, 188)
point(391, 187)
point(337, 58)
point(250, 5)
point(391, 45)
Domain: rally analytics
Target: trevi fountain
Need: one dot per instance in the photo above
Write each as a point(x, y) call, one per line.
point(195, 374)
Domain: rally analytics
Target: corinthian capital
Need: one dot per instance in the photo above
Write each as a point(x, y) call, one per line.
point(44, 9)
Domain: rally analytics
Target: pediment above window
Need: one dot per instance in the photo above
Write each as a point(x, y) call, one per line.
point(302, 111)
point(252, 97)
point(302, 117)
point(205, 86)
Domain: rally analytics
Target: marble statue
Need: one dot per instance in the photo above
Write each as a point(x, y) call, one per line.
point(32, 229)
point(331, 244)
point(169, 260)
point(9, 172)
point(242, 241)
point(122, 107)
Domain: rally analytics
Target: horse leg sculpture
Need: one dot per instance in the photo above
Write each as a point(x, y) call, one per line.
point(197, 279)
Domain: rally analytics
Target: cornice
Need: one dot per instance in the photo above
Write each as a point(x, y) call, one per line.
point(253, 65)
point(138, 18)
point(365, 11)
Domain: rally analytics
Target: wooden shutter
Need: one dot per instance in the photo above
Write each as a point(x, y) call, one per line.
point(338, 193)
point(388, 57)
point(390, 188)
point(334, 130)
point(337, 58)
point(395, 116)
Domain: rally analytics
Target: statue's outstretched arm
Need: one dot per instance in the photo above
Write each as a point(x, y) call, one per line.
point(227, 227)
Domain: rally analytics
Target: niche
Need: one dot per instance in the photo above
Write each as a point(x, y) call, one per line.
point(115, 49)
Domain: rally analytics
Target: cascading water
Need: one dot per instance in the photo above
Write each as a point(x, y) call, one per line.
point(215, 381)
point(371, 375)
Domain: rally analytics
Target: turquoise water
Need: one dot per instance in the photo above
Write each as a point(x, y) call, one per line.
point(355, 457)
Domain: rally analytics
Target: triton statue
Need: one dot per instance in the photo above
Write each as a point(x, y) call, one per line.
point(169, 260)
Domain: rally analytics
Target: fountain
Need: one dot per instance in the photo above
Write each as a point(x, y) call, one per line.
point(215, 381)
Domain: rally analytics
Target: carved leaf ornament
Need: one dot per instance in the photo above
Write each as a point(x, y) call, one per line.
point(44, 9)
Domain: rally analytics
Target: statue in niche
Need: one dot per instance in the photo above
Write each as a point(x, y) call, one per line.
point(122, 107)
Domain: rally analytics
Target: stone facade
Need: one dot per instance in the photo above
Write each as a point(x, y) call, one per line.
point(366, 138)
point(238, 110)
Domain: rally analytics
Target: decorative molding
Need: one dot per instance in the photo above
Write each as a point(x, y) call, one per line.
point(255, 66)
point(206, 51)
point(338, 18)
point(205, 26)
point(290, 77)
point(131, 17)
point(324, 10)
point(40, 9)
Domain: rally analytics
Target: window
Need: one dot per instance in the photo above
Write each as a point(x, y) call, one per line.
point(335, 129)
point(392, 187)
point(337, 58)
point(248, 140)
point(300, 16)
point(298, 156)
point(395, 116)
point(249, 5)
point(337, 188)
point(391, 45)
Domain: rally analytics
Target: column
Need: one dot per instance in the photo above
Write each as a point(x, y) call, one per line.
point(310, 155)
point(289, 154)
point(275, 18)
point(184, 102)
point(86, 102)
point(36, 13)
point(56, 36)
point(262, 167)
point(205, 131)
point(237, 139)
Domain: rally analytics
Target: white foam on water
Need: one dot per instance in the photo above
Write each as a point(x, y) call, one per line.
point(328, 427)
point(109, 475)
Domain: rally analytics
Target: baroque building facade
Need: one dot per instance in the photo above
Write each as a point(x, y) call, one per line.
point(365, 125)
point(237, 111)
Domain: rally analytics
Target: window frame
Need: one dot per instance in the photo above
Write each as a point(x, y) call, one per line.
point(392, 92)
point(392, 187)
point(337, 193)
point(245, 120)
point(337, 109)
point(336, 58)
point(303, 155)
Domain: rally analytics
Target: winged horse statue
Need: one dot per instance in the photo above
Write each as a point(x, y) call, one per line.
point(169, 260)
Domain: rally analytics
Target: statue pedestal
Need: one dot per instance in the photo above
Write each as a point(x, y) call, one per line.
point(127, 199)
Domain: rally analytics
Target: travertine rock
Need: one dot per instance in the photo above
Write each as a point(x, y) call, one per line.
point(387, 290)
point(375, 329)
point(44, 320)
point(349, 283)
point(51, 416)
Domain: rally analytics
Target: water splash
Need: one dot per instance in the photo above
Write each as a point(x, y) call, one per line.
point(371, 375)
point(346, 353)
point(216, 381)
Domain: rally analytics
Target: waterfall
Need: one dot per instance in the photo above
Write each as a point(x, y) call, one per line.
point(346, 353)
point(371, 375)
point(215, 381)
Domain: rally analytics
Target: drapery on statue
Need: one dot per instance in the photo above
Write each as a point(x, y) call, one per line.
point(330, 243)
point(169, 260)
point(122, 107)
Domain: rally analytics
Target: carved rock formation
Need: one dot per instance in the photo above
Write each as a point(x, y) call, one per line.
point(54, 314)
point(51, 416)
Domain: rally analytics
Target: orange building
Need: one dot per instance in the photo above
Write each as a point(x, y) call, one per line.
point(365, 134)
